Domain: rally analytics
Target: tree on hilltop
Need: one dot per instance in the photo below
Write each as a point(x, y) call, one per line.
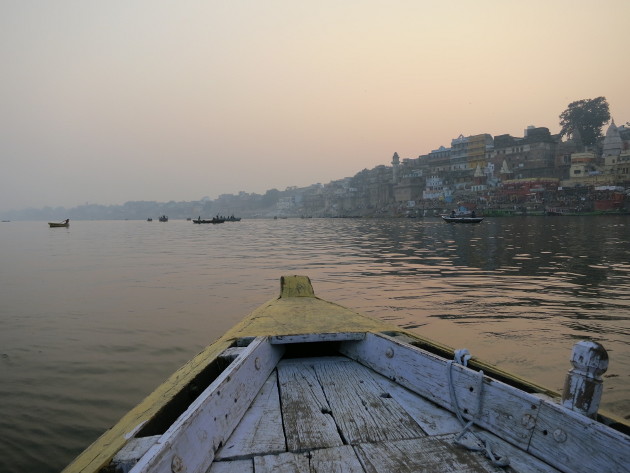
point(585, 117)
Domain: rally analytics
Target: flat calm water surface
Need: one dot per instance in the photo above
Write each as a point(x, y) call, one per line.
point(94, 317)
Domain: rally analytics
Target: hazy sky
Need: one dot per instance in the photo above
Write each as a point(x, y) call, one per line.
point(111, 101)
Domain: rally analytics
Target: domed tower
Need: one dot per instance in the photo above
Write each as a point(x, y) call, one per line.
point(613, 143)
point(395, 164)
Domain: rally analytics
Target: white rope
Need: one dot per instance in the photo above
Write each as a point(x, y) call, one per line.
point(461, 357)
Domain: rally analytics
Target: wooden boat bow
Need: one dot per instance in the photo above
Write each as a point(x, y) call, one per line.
point(202, 412)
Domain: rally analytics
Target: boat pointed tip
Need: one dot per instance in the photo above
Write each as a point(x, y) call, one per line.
point(296, 286)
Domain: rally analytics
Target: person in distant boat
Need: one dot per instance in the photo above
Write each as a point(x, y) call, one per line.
point(452, 214)
point(473, 214)
point(67, 221)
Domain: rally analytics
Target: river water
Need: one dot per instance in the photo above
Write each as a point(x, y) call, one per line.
point(94, 317)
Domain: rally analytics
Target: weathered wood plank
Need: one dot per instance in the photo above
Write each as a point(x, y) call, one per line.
point(433, 419)
point(505, 410)
point(363, 411)
point(305, 411)
point(191, 442)
point(574, 443)
point(337, 459)
point(327, 460)
point(236, 466)
point(284, 462)
point(260, 431)
point(428, 454)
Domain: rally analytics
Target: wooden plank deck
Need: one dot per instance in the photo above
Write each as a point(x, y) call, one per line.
point(337, 415)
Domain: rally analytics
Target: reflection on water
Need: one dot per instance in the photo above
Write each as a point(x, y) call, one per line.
point(95, 316)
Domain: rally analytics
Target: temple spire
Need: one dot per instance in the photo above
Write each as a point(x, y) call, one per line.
point(395, 164)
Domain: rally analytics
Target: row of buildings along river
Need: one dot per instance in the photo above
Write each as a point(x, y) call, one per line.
point(535, 173)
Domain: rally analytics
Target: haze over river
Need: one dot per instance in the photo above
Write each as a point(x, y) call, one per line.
point(95, 316)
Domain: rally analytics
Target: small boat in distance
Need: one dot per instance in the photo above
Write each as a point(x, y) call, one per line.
point(232, 218)
point(461, 219)
point(559, 211)
point(306, 385)
point(65, 223)
point(149, 219)
point(163, 218)
point(212, 220)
